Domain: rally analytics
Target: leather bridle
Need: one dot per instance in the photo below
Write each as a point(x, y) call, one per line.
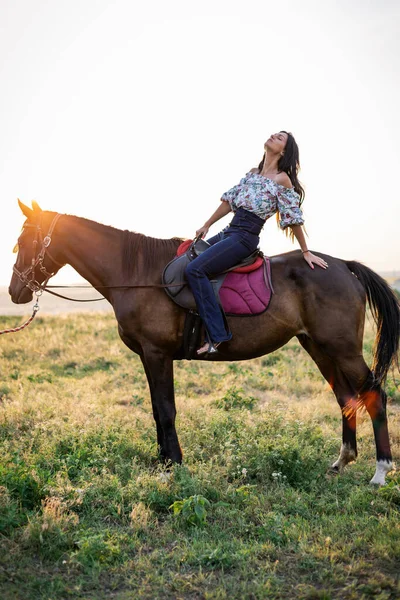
point(28, 275)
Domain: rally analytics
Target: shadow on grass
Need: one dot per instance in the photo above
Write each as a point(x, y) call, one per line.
point(77, 371)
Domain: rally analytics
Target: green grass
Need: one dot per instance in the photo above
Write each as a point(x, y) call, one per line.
point(86, 511)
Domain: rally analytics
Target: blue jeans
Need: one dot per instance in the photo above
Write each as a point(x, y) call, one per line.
point(230, 246)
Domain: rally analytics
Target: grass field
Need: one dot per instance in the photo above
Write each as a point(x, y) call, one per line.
point(87, 512)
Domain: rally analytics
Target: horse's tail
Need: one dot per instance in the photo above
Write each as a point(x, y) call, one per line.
point(385, 310)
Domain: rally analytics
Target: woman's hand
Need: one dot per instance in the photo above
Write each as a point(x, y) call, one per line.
point(202, 232)
point(308, 256)
point(312, 260)
point(223, 209)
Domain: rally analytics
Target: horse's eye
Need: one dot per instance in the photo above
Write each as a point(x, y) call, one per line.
point(16, 248)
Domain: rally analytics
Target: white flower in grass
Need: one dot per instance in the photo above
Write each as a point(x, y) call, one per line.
point(244, 471)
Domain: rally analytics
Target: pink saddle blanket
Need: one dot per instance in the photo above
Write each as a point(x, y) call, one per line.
point(247, 293)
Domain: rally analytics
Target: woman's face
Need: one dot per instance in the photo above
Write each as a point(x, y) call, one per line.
point(276, 142)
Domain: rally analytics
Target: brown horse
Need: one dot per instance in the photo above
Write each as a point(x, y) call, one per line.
point(325, 310)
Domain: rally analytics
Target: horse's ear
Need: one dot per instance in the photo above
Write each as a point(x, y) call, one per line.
point(35, 206)
point(28, 212)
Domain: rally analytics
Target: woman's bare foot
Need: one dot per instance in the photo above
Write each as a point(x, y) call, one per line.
point(208, 348)
point(204, 349)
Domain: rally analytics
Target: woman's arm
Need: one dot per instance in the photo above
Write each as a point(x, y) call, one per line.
point(308, 256)
point(221, 211)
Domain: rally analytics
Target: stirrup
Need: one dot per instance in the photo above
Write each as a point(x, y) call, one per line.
point(213, 348)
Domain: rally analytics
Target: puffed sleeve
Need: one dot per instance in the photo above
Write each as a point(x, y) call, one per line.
point(288, 201)
point(230, 195)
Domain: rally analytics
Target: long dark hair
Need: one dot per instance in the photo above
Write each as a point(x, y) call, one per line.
point(289, 163)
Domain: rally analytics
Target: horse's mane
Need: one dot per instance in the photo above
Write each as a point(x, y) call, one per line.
point(152, 251)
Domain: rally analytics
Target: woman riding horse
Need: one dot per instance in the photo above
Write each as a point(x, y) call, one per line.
point(271, 188)
point(325, 314)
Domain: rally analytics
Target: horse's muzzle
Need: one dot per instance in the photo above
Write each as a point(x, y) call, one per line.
point(18, 291)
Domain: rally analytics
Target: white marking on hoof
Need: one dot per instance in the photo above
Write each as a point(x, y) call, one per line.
point(383, 467)
point(347, 454)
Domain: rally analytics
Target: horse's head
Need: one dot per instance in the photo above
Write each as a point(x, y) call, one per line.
point(34, 265)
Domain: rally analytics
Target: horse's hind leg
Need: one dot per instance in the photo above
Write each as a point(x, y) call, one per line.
point(344, 395)
point(373, 397)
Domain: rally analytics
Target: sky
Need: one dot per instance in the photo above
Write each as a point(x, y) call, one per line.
point(141, 114)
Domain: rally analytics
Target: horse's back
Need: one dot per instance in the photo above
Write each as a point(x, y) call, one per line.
point(290, 270)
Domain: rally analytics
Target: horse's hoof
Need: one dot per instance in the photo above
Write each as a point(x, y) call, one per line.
point(333, 471)
point(383, 467)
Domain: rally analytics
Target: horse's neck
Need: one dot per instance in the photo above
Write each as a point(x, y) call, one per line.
point(100, 255)
point(93, 250)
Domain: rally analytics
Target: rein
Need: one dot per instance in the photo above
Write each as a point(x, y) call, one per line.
point(109, 287)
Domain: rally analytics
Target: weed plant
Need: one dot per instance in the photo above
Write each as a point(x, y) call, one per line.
point(86, 511)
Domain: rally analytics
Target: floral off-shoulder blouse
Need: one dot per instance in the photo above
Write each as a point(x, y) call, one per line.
point(265, 197)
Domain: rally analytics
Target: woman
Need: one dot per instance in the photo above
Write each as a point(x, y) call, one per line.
point(271, 188)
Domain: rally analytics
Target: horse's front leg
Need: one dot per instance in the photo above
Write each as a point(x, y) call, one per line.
point(160, 376)
point(160, 434)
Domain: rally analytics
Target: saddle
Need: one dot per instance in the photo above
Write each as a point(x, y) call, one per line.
point(245, 289)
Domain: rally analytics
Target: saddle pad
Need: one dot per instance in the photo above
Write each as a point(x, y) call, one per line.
point(246, 293)
point(184, 247)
